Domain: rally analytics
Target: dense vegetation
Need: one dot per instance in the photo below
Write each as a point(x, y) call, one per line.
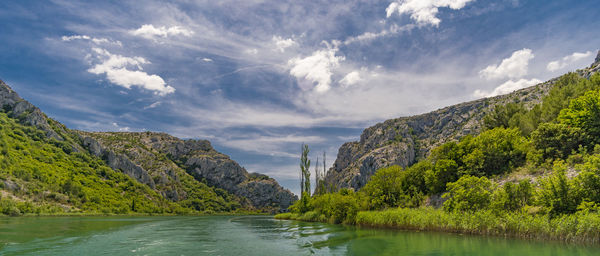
point(41, 175)
point(533, 171)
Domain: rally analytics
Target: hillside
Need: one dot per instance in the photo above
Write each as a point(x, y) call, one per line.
point(403, 141)
point(50, 169)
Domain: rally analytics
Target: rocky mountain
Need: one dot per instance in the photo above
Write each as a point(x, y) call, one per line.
point(171, 172)
point(164, 162)
point(402, 141)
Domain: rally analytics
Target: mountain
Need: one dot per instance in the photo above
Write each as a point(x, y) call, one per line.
point(47, 168)
point(403, 141)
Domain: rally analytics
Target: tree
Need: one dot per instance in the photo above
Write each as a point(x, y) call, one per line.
point(305, 171)
point(493, 152)
point(557, 140)
point(468, 193)
point(584, 113)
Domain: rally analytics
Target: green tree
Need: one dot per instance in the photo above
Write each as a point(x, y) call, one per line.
point(512, 196)
point(305, 171)
point(383, 189)
point(502, 114)
point(493, 152)
point(557, 194)
point(584, 113)
point(557, 140)
point(469, 193)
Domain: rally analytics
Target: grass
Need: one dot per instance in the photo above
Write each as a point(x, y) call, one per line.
point(574, 228)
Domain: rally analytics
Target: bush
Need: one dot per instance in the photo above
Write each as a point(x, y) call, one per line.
point(512, 197)
point(493, 152)
point(468, 193)
point(557, 140)
point(557, 194)
point(584, 113)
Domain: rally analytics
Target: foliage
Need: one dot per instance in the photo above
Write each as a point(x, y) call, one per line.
point(558, 194)
point(493, 152)
point(512, 197)
point(468, 193)
point(584, 113)
point(305, 171)
point(557, 140)
point(503, 115)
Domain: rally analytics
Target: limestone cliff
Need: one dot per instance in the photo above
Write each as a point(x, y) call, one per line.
point(168, 160)
point(402, 141)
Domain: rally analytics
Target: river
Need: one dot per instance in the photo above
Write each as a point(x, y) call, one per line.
point(245, 235)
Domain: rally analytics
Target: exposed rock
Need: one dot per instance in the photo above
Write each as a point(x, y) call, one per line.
point(118, 162)
point(11, 185)
point(404, 140)
point(190, 157)
point(26, 112)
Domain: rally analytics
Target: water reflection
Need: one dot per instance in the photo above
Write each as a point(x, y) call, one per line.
point(248, 235)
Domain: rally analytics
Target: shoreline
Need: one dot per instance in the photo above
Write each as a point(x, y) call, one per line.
point(131, 215)
point(581, 228)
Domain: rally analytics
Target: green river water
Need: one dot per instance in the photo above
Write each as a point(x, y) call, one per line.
point(245, 235)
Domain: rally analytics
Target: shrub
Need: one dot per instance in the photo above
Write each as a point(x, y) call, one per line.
point(468, 193)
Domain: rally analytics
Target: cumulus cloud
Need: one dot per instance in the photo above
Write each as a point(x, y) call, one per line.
point(424, 11)
point(569, 59)
point(281, 44)
point(148, 31)
point(95, 40)
point(514, 66)
point(350, 79)
point(507, 87)
point(117, 71)
point(316, 69)
point(207, 60)
point(369, 36)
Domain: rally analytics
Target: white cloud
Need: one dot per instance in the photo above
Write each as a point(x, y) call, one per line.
point(369, 36)
point(153, 105)
point(424, 11)
point(207, 60)
point(316, 68)
point(95, 40)
point(507, 87)
point(281, 44)
point(120, 128)
point(148, 31)
point(115, 67)
point(569, 59)
point(350, 79)
point(514, 66)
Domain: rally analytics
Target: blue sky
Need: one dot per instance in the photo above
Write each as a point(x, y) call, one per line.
point(259, 78)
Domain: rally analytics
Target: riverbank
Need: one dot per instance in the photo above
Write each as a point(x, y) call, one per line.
point(574, 228)
point(99, 214)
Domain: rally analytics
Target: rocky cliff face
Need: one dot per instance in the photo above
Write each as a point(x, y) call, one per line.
point(404, 140)
point(168, 159)
point(26, 112)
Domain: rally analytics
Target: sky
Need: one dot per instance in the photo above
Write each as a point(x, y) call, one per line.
point(258, 78)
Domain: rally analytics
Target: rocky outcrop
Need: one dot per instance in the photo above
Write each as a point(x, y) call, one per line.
point(118, 162)
point(218, 170)
point(404, 140)
point(24, 111)
point(167, 159)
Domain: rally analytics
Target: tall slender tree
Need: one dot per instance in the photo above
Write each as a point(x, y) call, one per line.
point(305, 170)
